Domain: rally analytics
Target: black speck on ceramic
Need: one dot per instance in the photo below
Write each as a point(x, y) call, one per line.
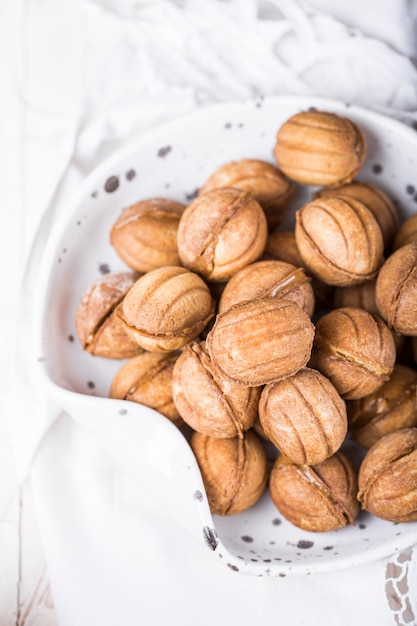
point(111, 184)
point(234, 568)
point(210, 537)
point(192, 195)
point(162, 152)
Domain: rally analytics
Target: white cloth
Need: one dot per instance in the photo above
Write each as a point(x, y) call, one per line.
point(90, 77)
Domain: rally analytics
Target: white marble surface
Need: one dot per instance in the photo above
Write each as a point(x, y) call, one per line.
point(25, 596)
point(66, 104)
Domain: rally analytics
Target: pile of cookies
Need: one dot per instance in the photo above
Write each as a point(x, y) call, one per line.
point(251, 336)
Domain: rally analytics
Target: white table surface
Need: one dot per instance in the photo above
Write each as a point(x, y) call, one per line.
point(31, 29)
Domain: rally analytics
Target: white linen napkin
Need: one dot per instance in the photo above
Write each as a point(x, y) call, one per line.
point(94, 76)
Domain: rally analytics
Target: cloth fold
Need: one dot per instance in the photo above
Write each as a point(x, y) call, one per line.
point(96, 75)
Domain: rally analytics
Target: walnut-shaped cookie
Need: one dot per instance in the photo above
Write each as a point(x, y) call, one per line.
point(388, 477)
point(259, 342)
point(234, 471)
point(396, 290)
point(380, 205)
point(147, 379)
point(391, 407)
point(320, 148)
point(145, 234)
point(166, 308)
point(360, 296)
point(220, 232)
point(99, 328)
point(208, 402)
point(355, 350)
point(304, 416)
point(339, 240)
point(407, 232)
point(316, 498)
point(269, 279)
point(264, 181)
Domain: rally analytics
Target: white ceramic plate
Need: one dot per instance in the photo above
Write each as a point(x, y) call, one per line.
point(174, 161)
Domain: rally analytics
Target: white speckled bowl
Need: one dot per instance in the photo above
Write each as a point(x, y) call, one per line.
point(174, 161)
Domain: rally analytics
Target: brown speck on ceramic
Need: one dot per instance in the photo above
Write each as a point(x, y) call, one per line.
point(210, 537)
point(303, 544)
point(104, 268)
point(130, 174)
point(111, 184)
point(393, 598)
point(247, 538)
point(228, 125)
point(276, 521)
point(282, 575)
point(328, 547)
point(377, 168)
point(362, 526)
point(78, 223)
point(71, 338)
point(234, 568)
point(91, 385)
point(162, 152)
point(123, 412)
point(410, 189)
point(94, 194)
point(404, 556)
